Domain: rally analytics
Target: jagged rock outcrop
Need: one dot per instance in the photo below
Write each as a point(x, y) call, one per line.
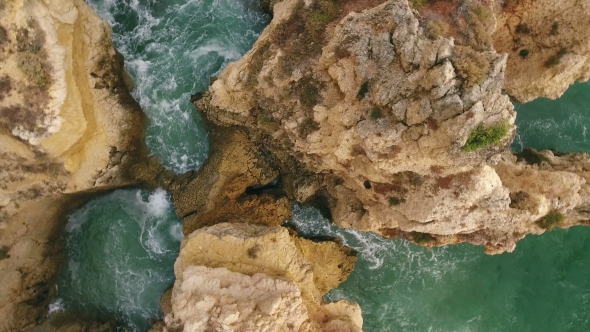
point(69, 129)
point(397, 130)
point(244, 277)
point(548, 46)
point(238, 268)
point(219, 192)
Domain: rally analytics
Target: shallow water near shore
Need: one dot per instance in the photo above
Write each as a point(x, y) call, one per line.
point(122, 246)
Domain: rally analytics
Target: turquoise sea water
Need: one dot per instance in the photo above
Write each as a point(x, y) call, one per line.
point(542, 286)
point(121, 246)
point(560, 125)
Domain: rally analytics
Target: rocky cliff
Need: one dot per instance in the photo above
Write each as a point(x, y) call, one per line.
point(238, 269)
point(389, 117)
point(244, 277)
point(548, 46)
point(219, 192)
point(68, 130)
point(396, 124)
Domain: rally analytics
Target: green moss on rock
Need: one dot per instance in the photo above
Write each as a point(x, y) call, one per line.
point(484, 136)
point(394, 201)
point(551, 220)
point(421, 238)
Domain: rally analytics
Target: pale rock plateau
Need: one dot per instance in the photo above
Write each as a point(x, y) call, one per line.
point(244, 277)
point(548, 43)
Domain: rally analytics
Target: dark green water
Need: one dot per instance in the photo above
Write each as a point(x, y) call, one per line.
point(121, 247)
point(121, 250)
point(171, 49)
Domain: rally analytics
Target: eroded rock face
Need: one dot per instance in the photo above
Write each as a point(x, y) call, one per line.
point(548, 46)
point(238, 268)
point(238, 277)
point(371, 112)
point(219, 191)
point(67, 120)
point(279, 301)
point(68, 130)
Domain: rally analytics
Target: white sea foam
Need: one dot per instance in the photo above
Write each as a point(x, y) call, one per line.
point(228, 52)
point(176, 231)
point(154, 220)
point(159, 203)
point(153, 242)
point(56, 306)
point(77, 219)
point(171, 51)
point(310, 222)
point(369, 245)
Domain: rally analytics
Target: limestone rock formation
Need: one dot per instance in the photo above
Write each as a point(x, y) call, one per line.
point(219, 191)
point(65, 95)
point(238, 269)
point(243, 277)
point(397, 130)
point(548, 46)
point(68, 130)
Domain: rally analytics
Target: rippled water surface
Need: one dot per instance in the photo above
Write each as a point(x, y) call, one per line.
point(542, 286)
point(560, 124)
point(121, 247)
